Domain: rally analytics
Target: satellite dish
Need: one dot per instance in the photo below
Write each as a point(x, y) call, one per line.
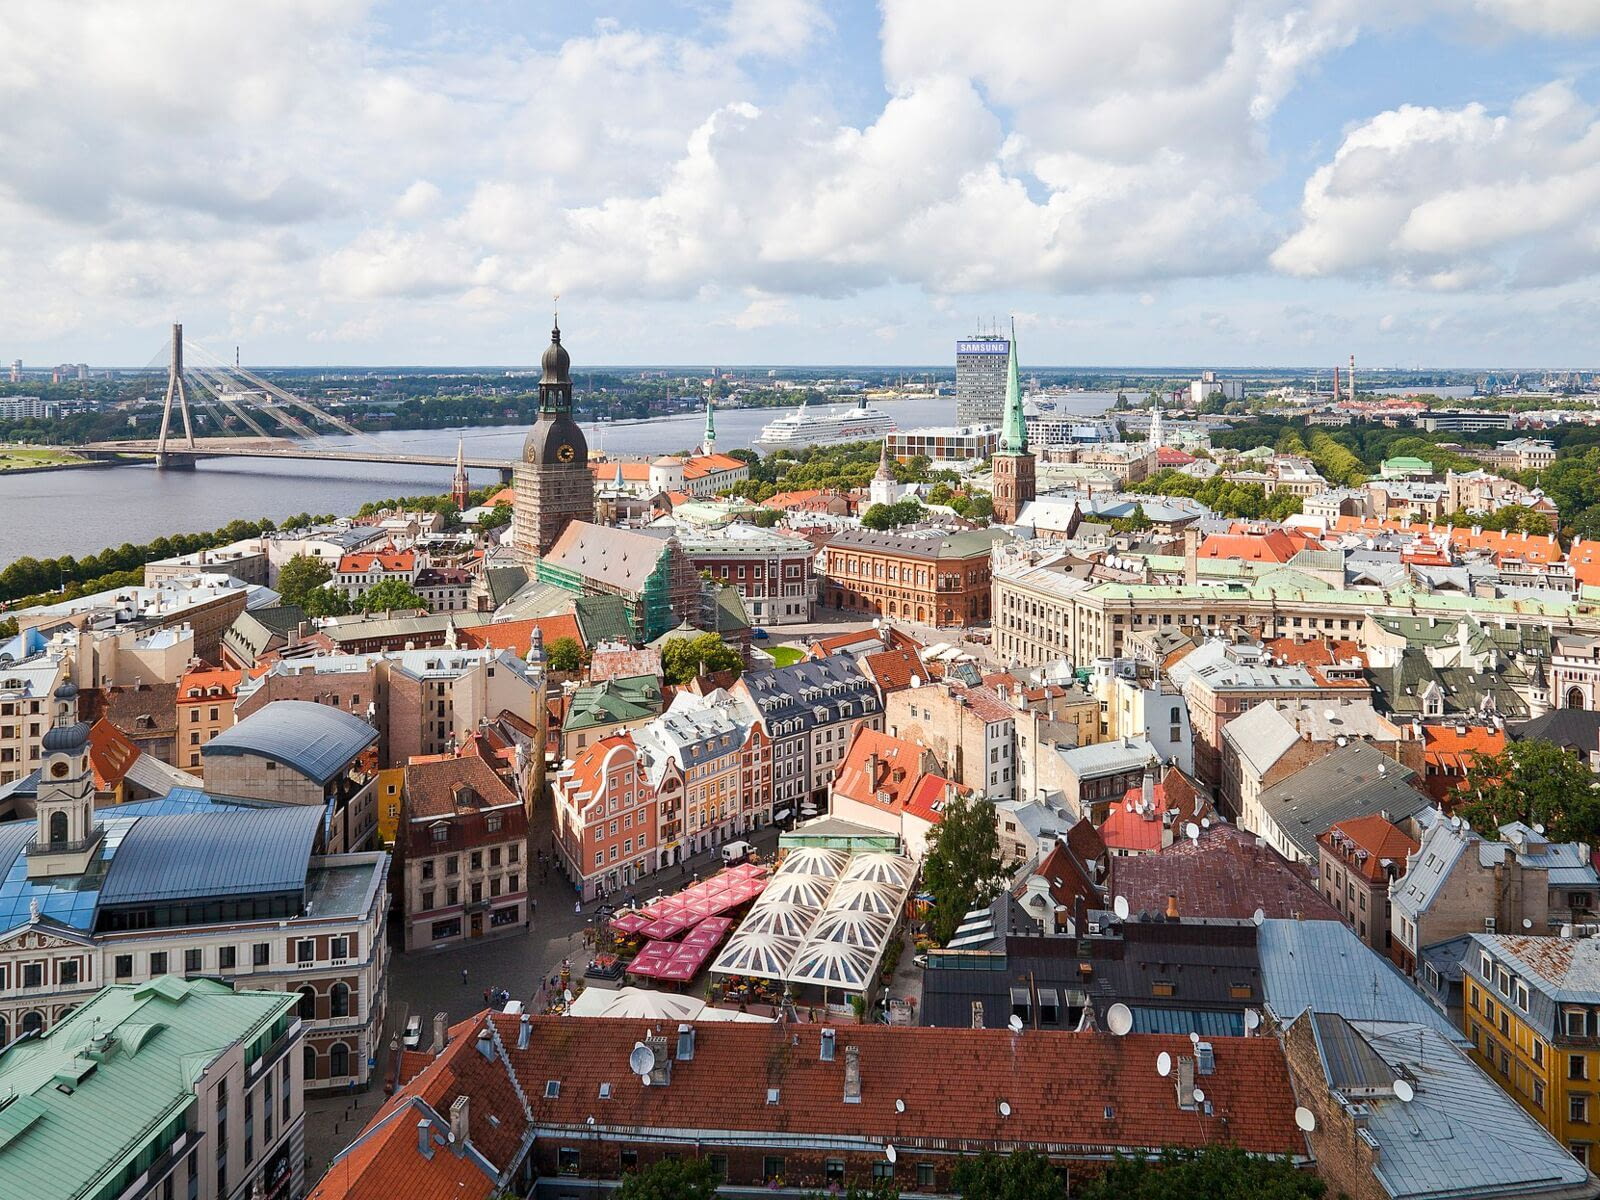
point(1455, 822)
point(1163, 1064)
point(900, 1106)
point(1252, 1020)
point(1305, 1119)
point(567, 995)
point(1205, 822)
point(1005, 1108)
point(916, 681)
point(1382, 770)
point(1120, 907)
point(591, 1120)
point(1329, 714)
point(1195, 1038)
point(642, 1060)
point(891, 1153)
point(645, 1079)
point(877, 623)
point(1119, 1019)
point(1259, 916)
point(1192, 831)
point(1404, 1092)
point(1527, 923)
point(1538, 829)
point(1199, 1096)
point(1015, 1023)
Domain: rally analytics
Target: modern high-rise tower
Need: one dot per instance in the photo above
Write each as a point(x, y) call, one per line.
point(981, 379)
point(1013, 464)
point(553, 483)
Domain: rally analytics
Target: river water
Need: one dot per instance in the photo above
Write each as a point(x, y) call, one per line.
point(81, 511)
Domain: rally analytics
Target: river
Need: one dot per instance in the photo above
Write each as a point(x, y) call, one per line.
point(82, 511)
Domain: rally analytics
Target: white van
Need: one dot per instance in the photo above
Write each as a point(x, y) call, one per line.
point(736, 852)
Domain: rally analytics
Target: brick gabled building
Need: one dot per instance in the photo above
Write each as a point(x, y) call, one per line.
point(800, 1107)
point(462, 850)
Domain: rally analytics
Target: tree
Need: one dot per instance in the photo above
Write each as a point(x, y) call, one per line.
point(326, 602)
point(891, 516)
point(299, 576)
point(496, 518)
point(1134, 522)
point(765, 518)
point(1536, 782)
point(857, 1191)
point(1020, 1175)
point(392, 595)
point(682, 657)
point(564, 654)
point(1217, 1172)
point(962, 869)
point(670, 1179)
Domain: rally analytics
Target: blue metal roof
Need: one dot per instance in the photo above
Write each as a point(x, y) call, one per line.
point(1205, 1022)
point(210, 854)
point(316, 740)
point(69, 899)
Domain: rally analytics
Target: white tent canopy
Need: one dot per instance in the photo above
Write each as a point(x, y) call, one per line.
point(862, 929)
point(812, 860)
point(880, 867)
point(833, 965)
point(766, 956)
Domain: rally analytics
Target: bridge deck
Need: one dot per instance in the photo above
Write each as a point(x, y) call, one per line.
point(281, 448)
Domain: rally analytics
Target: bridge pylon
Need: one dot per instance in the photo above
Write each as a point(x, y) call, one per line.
point(175, 389)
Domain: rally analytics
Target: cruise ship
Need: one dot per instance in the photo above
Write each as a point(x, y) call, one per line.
point(827, 426)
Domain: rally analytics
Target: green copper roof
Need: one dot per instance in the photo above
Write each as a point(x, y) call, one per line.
point(711, 423)
point(1014, 433)
point(91, 1114)
point(614, 701)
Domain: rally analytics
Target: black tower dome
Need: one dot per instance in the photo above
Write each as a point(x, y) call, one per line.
point(556, 361)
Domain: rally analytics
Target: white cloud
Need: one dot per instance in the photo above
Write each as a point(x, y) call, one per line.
point(1450, 199)
point(773, 27)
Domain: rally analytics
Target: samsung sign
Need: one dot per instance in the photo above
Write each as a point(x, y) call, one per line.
point(991, 347)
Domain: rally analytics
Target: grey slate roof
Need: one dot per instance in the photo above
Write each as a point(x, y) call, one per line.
point(789, 698)
point(1573, 728)
point(1324, 966)
point(1442, 847)
point(1461, 1137)
point(618, 558)
point(211, 854)
point(316, 740)
point(1352, 781)
point(1260, 736)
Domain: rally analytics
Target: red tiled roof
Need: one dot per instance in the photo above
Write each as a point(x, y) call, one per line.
point(898, 769)
point(1529, 548)
point(927, 798)
point(203, 679)
point(383, 1162)
point(388, 559)
point(1085, 842)
point(624, 664)
point(632, 472)
point(1129, 828)
point(1380, 838)
point(701, 465)
point(1166, 456)
point(1449, 752)
point(952, 1083)
point(1315, 654)
point(1585, 560)
point(893, 670)
point(1066, 877)
point(110, 754)
point(433, 783)
point(1223, 874)
point(1273, 545)
point(516, 635)
point(587, 768)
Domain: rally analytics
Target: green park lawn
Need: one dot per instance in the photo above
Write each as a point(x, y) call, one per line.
point(784, 656)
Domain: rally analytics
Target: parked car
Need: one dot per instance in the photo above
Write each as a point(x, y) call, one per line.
point(413, 1037)
point(736, 852)
point(759, 634)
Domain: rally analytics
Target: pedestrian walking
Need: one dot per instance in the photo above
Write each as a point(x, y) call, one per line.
point(486, 997)
point(463, 975)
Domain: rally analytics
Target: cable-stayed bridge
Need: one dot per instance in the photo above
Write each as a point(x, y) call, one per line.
point(222, 389)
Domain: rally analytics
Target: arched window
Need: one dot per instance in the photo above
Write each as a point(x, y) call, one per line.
point(5, 1032)
point(32, 1022)
point(308, 1004)
point(310, 1054)
point(58, 827)
point(339, 1000)
point(338, 1060)
point(1575, 698)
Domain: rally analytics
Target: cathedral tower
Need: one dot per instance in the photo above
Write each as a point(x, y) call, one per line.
point(553, 483)
point(1013, 463)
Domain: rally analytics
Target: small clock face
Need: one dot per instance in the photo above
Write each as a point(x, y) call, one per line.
point(566, 453)
point(59, 770)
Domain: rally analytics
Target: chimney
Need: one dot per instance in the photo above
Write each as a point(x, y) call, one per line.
point(661, 1072)
point(1172, 906)
point(829, 1039)
point(1186, 1083)
point(852, 1075)
point(977, 1014)
point(441, 1023)
point(424, 1143)
point(1205, 1059)
point(872, 772)
point(1147, 789)
point(1191, 557)
point(458, 1121)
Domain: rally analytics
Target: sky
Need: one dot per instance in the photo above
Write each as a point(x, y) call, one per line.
point(1224, 183)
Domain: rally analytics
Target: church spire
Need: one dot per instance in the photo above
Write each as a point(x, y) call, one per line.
point(884, 470)
point(460, 488)
point(1014, 432)
point(1153, 441)
point(708, 440)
